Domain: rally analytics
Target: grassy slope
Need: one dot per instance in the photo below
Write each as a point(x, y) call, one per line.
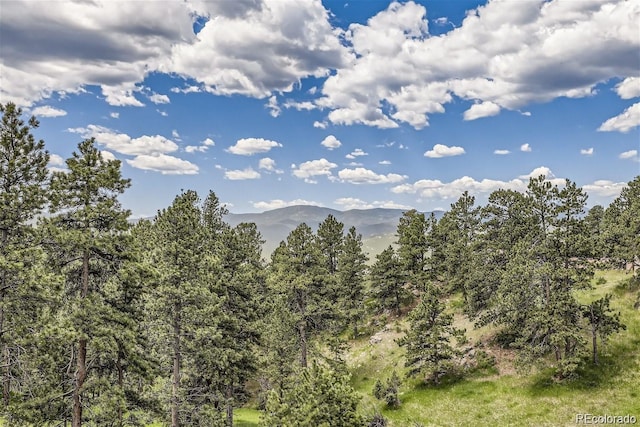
point(511, 398)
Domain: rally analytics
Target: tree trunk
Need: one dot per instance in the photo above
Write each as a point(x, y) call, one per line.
point(81, 367)
point(6, 370)
point(81, 375)
point(229, 403)
point(302, 333)
point(175, 384)
point(120, 382)
point(594, 337)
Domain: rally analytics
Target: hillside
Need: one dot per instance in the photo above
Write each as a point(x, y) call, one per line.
point(377, 226)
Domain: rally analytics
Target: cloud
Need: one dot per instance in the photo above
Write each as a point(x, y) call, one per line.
point(312, 168)
point(56, 160)
point(238, 175)
point(331, 142)
point(501, 152)
point(250, 146)
point(195, 148)
point(629, 88)
point(162, 113)
point(604, 188)
point(278, 203)
point(114, 115)
point(101, 43)
point(586, 151)
point(526, 148)
point(166, 165)
point(503, 56)
point(122, 95)
point(483, 109)
point(48, 111)
point(624, 122)
point(436, 189)
point(358, 152)
point(272, 105)
point(107, 155)
point(123, 143)
point(156, 98)
point(300, 106)
point(320, 125)
point(354, 203)
point(631, 154)
point(203, 147)
point(542, 170)
point(440, 150)
point(366, 176)
point(384, 162)
point(269, 164)
point(281, 42)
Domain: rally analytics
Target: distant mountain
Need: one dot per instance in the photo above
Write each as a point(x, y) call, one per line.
point(377, 226)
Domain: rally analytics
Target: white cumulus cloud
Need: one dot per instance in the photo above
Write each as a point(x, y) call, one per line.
point(250, 146)
point(308, 170)
point(48, 111)
point(526, 148)
point(440, 150)
point(501, 152)
point(157, 98)
point(125, 144)
point(358, 152)
point(238, 175)
point(629, 88)
point(166, 165)
point(367, 176)
point(631, 154)
point(586, 151)
point(624, 122)
point(483, 109)
point(331, 142)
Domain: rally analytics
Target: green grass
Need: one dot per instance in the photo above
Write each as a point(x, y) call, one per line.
point(513, 398)
point(246, 417)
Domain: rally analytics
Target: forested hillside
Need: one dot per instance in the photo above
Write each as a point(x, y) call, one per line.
point(179, 320)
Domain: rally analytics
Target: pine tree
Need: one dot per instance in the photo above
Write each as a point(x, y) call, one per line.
point(428, 341)
point(621, 225)
point(240, 283)
point(184, 305)
point(318, 397)
point(298, 273)
point(460, 226)
point(23, 192)
point(351, 275)
point(602, 321)
point(412, 246)
point(387, 280)
point(88, 231)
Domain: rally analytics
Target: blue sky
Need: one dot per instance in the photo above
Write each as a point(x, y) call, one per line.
point(353, 104)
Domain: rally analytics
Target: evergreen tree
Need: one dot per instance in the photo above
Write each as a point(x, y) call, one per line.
point(428, 341)
point(621, 225)
point(593, 224)
point(318, 397)
point(239, 286)
point(89, 245)
point(603, 322)
point(23, 192)
point(184, 305)
point(351, 275)
point(330, 242)
point(387, 280)
point(412, 246)
point(298, 273)
point(459, 226)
